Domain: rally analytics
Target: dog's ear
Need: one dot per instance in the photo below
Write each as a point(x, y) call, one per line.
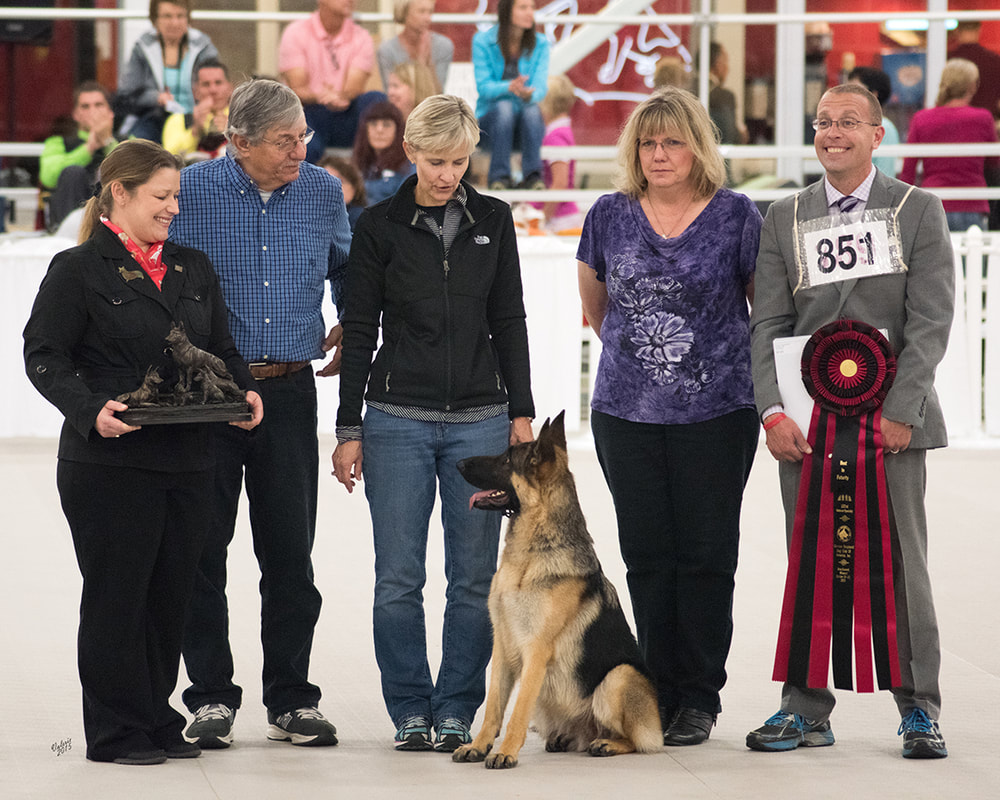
point(558, 430)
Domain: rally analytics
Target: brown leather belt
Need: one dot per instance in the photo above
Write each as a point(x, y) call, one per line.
point(275, 369)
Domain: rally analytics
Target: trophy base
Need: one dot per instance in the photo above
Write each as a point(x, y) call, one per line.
point(176, 415)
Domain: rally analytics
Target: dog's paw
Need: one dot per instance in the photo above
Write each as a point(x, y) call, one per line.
point(501, 761)
point(560, 744)
point(604, 747)
point(470, 753)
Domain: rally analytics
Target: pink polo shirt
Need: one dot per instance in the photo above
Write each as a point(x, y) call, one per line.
point(326, 59)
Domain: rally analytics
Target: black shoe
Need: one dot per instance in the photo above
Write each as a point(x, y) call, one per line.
point(690, 726)
point(212, 727)
point(532, 181)
point(142, 758)
point(303, 726)
point(921, 736)
point(183, 750)
point(500, 184)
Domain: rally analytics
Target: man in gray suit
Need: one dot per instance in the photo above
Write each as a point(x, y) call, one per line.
point(863, 246)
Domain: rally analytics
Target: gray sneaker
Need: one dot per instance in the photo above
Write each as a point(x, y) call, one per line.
point(786, 731)
point(303, 726)
point(212, 728)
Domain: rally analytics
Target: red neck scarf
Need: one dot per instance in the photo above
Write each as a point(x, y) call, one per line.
point(150, 261)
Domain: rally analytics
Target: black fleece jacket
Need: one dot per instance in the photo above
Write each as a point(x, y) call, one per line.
point(453, 329)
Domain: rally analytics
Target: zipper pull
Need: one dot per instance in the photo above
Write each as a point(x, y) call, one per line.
point(446, 268)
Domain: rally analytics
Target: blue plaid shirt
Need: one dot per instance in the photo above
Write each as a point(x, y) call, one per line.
point(271, 259)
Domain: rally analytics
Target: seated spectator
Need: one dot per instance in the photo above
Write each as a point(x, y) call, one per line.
point(158, 76)
point(201, 134)
point(879, 84)
point(511, 64)
point(378, 152)
point(326, 60)
point(416, 42)
point(350, 183)
point(69, 164)
point(409, 85)
point(954, 120)
point(558, 102)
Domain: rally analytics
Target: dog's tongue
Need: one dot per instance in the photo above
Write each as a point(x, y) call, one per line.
point(479, 496)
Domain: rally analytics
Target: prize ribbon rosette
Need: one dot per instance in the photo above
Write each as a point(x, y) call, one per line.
point(839, 582)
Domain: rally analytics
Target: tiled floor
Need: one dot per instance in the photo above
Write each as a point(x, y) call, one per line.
point(41, 739)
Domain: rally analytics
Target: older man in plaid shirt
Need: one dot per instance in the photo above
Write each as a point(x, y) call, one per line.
point(275, 228)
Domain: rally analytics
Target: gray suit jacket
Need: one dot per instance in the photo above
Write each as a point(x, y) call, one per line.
point(915, 307)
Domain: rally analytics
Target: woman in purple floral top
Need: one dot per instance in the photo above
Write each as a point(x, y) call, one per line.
point(666, 269)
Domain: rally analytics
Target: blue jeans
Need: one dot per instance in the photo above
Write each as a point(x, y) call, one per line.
point(961, 221)
point(506, 125)
point(404, 462)
point(336, 128)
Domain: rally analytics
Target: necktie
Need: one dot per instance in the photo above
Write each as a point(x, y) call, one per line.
point(847, 203)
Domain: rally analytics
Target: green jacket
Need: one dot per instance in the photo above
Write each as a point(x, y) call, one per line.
point(60, 152)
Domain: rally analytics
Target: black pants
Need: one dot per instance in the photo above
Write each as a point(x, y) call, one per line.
point(677, 491)
point(279, 461)
point(138, 536)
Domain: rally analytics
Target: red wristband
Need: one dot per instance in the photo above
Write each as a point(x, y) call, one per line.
point(773, 420)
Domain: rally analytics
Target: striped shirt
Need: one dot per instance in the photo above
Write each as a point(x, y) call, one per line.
point(271, 255)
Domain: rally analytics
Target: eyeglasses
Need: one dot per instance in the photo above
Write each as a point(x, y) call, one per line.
point(288, 143)
point(846, 125)
point(648, 146)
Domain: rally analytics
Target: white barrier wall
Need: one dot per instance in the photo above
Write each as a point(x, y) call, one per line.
point(968, 379)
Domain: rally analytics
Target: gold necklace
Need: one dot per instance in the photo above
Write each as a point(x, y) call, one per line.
point(677, 221)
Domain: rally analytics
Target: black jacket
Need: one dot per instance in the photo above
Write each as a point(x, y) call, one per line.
point(453, 329)
point(93, 333)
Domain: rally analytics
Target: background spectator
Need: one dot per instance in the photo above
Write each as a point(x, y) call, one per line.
point(670, 72)
point(559, 216)
point(966, 45)
point(201, 134)
point(70, 163)
point(511, 63)
point(416, 42)
point(326, 60)
point(350, 183)
point(378, 152)
point(409, 85)
point(879, 84)
point(953, 120)
point(158, 77)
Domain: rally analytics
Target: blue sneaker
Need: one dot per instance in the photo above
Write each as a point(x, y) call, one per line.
point(786, 731)
point(452, 733)
point(414, 733)
point(921, 736)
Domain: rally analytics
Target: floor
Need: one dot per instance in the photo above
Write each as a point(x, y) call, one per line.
point(41, 740)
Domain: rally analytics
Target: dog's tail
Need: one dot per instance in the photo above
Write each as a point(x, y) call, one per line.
point(625, 702)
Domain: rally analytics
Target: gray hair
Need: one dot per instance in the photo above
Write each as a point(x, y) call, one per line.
point(442, 123)
point(259, 105)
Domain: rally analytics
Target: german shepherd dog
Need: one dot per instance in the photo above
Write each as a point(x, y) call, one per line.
point(558, 626)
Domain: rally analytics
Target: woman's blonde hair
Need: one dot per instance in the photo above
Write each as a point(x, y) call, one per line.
point(131, 164)
point(560, 97)
point(418, 77)
point(441, 123)
point(958, 78)
point(399, 11)
point(678, 112)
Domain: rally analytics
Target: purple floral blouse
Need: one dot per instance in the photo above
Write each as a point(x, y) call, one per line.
point(676, 337)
